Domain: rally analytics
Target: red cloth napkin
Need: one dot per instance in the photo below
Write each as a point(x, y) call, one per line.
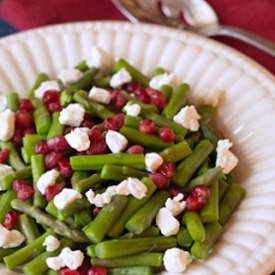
point(257, 16)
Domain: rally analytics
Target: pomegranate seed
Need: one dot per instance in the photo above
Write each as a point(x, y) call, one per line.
point(53, 190)
point(97, 148)
point(132, 87)
point(87, 123)
point(51, 96)
point(64, 167)
point(95, 134)
point(200, 190)
point(120, 117)
point(26, 105)
point(166, 134)
point(97, 270)
point(58, 143)
point(147, 126)
point(157, 98)
point(68, 130)
point(18, 184)
point(96, 211)
point(42, 147)
point(174, 192)
point(111, 123)
point(142, 95)
point(4, 154)
point(167, 169)
point(54, 107)
point(29, 131)
point(87, 117)
point(25, 192)
point(118, 100)
point(18, 137)
point(84, 268)
point(67, 271)
point(135, 149)
point(194, 203)
point(23, 119)
point(160, 181)
point(11, 218)
point(52, 159)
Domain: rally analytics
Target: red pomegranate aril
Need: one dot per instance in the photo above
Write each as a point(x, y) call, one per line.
point(120, 117)
point(10, 219)
point(118, 100)
point(167, 169)
point(174, 192)
point(97, 148)
point(157, 98)
point(52, 159)
point(26, 105)
point(65, 168)
point(142, 95)
point(29, 131)
point(87, 123)
point(25, 192)
point(51, 96)
point(166, 134)
point(200, 190)
point(18, 137)
point(96, 211)
point(147, 126)
point(67, 271)
point(4, 154)
point(68, 130)
point(84, 268)
point(135, 149)
point(54, 107)
point(58, 143)
point(42, 147)
point(97, 270)
point(160, 181)
point(111, 123)
point(132, 87)
point(95, 134)
point(23, 119)
point(194, 203)
point(18, 184)
point(53, 190)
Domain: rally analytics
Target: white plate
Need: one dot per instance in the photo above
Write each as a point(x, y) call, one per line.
point(246, 114)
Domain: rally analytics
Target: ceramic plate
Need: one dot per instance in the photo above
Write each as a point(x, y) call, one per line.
point(246, 114)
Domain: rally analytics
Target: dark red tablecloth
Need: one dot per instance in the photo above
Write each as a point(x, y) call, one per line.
point(257, 16)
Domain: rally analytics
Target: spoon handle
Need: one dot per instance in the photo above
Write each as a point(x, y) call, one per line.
point(246, 36)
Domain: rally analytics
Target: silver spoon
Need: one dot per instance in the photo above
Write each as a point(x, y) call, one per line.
point(198, 15)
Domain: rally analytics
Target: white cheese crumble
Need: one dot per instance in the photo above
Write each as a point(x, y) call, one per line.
point(100, 95)
point(99, 200)
point(46, 180)
point(132, 109)
point(78, 139)
point(3, 102)
point(72, 115)
point(70, 76)
point(175, 205)
point(225, 158)
point(51, 243)
point(10, 238)
point(153, 161)
point(120, 78)
point(164, 79)
point(188, 118)
point(209, 97)
point(175, 260)
point(116, 141)
point(67, 258)
point(5, 170)
point(7, 124)
point(46, 86)
point(167, 223)
point(132, 186)
point(66, 197)
point(99, 59)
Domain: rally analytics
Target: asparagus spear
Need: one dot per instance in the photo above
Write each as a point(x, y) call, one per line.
point(28, 228)
point(13, 101)
point(41, 77)
point(47, 220)
point(5, 201)
point(56, 127)
point(87, 183)
point(134, 270)
point(183, 237)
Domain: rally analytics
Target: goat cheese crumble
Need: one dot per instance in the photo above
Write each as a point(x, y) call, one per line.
point(78, 139)
point(7, 124)
point(10, 238)
point(66, 197)
point(164, 79)
point(70, 76)
point(100, 95)
point(132, 186)
point(116, 141)
point(153, 161)
point(46, 86)
point(120, 78)
point(46, 180)
point(51, 243)
point(72, 115)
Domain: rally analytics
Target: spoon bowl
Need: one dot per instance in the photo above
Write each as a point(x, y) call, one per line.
point(192, 15)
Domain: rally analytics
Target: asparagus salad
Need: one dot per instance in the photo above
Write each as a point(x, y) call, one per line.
point(107, 171)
